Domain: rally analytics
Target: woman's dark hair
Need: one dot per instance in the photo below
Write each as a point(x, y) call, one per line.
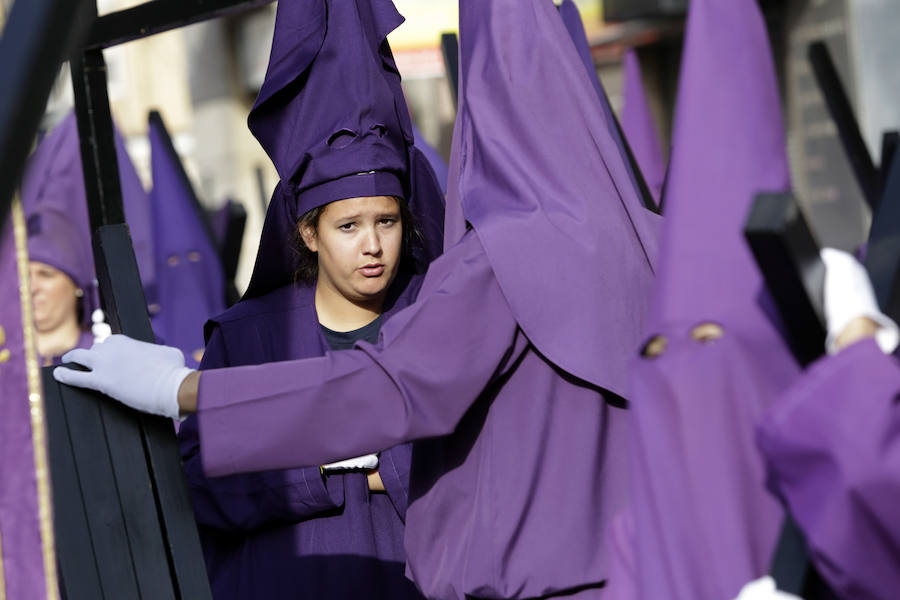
point(307, 261)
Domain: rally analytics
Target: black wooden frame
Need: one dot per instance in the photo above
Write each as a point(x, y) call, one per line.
point(124, 523)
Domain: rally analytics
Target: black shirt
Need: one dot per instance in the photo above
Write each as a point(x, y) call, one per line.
point(344, 340)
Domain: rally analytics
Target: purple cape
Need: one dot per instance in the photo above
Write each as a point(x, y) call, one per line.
point(704, 524)
point(540, 177)
point(332, 117)
point(639, 128)
point(22, 559)
point(190, 282)
point(832, 448)
point(293, 533)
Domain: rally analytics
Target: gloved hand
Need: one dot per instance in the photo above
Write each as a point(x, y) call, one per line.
point(362, 463)
point(764, 589)
point(848, 296)
point(140, 375)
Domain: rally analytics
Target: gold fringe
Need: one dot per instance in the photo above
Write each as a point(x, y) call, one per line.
point(36, 404)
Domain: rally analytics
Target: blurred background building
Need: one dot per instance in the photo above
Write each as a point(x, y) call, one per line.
point(204, 79)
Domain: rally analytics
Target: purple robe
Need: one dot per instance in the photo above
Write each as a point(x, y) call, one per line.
point(26, 574)
point(638, 126)
point(832, 447)
point(704, 523)
point(190, 279)
point(504, 480)
point(293, 533)
point(504, 372)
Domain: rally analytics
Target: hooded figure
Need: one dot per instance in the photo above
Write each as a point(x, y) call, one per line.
point(190, 281)
point(703, 523)
point(638, 125)
point(53, 197)
point(508, 370)
point(310, 532)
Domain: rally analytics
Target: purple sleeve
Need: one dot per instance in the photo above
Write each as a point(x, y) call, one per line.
point(254, 500)
point(832, 447)
point(393, 467)
point(434, 359)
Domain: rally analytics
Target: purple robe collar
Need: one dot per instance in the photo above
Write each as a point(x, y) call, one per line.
point(332, 117)
point(540, 177)
point(727, 146)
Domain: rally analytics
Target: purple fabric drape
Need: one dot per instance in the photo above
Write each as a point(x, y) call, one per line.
point(638, 126)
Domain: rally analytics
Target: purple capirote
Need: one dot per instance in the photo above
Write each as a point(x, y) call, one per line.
point(832, 449)
point(22, 550)
point(639, 127)
point(332, 117)
point(704, 523)
point(190, 280)
point(55, 203)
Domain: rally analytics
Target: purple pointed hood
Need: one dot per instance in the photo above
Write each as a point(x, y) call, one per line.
point(638, 126)
point(332, 117)
point(541, 179)
point(54, 181)
point(190, 281)
point(53, 199)
point(728, 145)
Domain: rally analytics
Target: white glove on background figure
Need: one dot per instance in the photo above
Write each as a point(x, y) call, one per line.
point(849, 295)
point(140, 375)
point(100, 328)
point(362, 463)
point(764, 589)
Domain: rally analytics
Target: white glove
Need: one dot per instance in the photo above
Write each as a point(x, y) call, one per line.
point(848, 296)
point(140, 375)
point(362, 463)
point(764, 589)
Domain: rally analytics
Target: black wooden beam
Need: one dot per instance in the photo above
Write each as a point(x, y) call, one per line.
point(788, 257)
point(841, 111)
point(889, 142)
point(162, 538)
point(37, 37)
point(883, 248)
point(158, 16)
point(450, 52)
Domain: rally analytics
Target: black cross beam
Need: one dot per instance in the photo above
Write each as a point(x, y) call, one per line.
point(124, 526)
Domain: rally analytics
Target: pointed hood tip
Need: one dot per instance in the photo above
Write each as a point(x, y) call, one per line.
point(707, 271)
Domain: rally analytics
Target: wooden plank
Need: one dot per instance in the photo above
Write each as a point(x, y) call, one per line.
point(78, 575)
point(450, 52)
point(788, 257)
point(158, 16)
point(883, 248)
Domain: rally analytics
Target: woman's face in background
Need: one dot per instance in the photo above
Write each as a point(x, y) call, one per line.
point(53, 295)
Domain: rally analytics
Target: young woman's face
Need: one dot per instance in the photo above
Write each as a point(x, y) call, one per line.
point(53, 295)
point(358, 242)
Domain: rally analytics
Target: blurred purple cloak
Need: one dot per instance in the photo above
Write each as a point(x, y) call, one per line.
point(437, 162)
point(638, 126)
point(832, 448)
point(190, 281)
point(24, 573)
point(704, 523)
